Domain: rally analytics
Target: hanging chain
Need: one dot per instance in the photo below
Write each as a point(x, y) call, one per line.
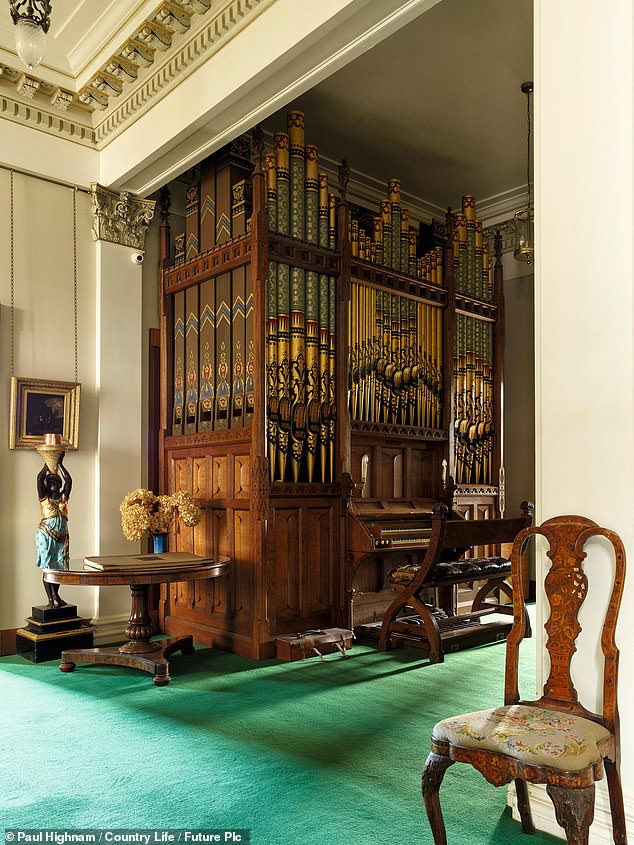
point(75, 283)
point(528, 151)
point(12, 332)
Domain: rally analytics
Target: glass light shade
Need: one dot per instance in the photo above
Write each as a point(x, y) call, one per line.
point(30, 42)
point(524, 247)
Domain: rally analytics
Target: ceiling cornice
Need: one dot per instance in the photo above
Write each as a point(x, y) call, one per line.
point(502, 207)
point(37, 115)
point(216, 29)
point(177, 37)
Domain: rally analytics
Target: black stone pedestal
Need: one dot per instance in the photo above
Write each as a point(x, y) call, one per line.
point(48, 631)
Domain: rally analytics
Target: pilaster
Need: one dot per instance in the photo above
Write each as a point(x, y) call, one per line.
point(120, 224)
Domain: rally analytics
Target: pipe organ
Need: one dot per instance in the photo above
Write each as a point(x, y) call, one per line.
point(300, 318)
point(317, 366)
point(394, 358)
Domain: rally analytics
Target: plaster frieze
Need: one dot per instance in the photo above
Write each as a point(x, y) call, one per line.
point(54, 122)
point(165, 75)
point(120, 218)
point(178, 36)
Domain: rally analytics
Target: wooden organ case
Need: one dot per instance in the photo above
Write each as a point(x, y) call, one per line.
point(310, 387)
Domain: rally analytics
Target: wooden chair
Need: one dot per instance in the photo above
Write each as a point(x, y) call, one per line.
point(554, 740)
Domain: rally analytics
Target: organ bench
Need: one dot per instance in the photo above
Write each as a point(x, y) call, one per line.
point(412, 621)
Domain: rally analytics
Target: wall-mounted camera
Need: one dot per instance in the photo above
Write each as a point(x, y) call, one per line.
point(137, 258)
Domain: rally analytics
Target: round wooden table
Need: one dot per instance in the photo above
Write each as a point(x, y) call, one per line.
point(139, 652)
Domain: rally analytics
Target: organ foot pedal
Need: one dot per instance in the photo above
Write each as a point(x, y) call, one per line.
point(456, 632)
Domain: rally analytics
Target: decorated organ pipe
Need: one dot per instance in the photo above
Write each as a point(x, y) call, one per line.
point(387, 239)
point(473, 400)
point(297, 360)
point(473, 267)
point(212, 336)
point(394, 358)
point(312, 314)
point(331, 414)
point(283, 309)
point(272, 399)
point(324, 360)
point(394, 196)
point(300, 321)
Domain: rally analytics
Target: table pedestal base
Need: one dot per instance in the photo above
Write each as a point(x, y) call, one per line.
point(154, 660)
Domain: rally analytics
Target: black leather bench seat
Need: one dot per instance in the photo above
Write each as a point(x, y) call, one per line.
point(476, 569)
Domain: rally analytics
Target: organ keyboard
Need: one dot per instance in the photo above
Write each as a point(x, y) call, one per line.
point(382, 534)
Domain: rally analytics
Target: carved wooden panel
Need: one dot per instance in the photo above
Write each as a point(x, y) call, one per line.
point(241, 477)
point(390, 473)
point(215, 594)
point(242, 567)
point(318, 558)
point(200, 478)
point(421, 475)
point(302, 567)
point(393, 472)
point(219, 477)
point(228, 601)
point(183, 474)
point(304, 555)
point(287, 542)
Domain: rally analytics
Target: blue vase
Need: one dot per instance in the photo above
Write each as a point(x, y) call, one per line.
point(161, 543)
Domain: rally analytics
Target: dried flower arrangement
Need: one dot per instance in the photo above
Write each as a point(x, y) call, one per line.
point(144, 513)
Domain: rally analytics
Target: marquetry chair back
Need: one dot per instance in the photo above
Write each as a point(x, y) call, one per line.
point(571, 788)
point(566, 585)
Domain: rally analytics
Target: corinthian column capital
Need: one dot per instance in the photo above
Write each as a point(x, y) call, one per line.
point(120, 218)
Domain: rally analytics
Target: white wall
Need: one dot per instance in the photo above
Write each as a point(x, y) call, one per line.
point(584, 317)
point(39, 152)
point(112, 443)
point(519, 384)
point(119, 381)
point(44, 349)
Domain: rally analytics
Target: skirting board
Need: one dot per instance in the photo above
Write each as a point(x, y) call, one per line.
point(544, 813)
point(7, 642)
point(109, 629)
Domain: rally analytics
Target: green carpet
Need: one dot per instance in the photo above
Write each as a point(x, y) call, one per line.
point(305, 753)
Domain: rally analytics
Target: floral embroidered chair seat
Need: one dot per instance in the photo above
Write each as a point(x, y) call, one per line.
point(528, 734)
point(554, 740)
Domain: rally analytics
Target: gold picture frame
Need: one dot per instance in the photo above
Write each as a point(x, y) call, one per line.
point(40, 407)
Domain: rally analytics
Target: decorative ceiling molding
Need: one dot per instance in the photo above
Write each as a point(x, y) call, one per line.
point(501, 207)
point(28, 113)
point(230, 19)
point(123, 89)
point(15, 82)
point(120, 218)
point(139, 51)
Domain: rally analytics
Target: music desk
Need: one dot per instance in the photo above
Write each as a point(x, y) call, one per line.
point(139, 652)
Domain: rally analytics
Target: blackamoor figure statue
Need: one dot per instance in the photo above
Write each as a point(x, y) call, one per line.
point(51, 537)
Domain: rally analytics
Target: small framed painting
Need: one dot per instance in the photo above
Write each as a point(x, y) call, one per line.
point(40, 407)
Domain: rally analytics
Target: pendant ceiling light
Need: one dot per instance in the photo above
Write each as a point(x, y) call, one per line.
point(524, 248)
point(32, 19)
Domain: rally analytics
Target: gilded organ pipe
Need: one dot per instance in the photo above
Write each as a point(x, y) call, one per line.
point(394, 358)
